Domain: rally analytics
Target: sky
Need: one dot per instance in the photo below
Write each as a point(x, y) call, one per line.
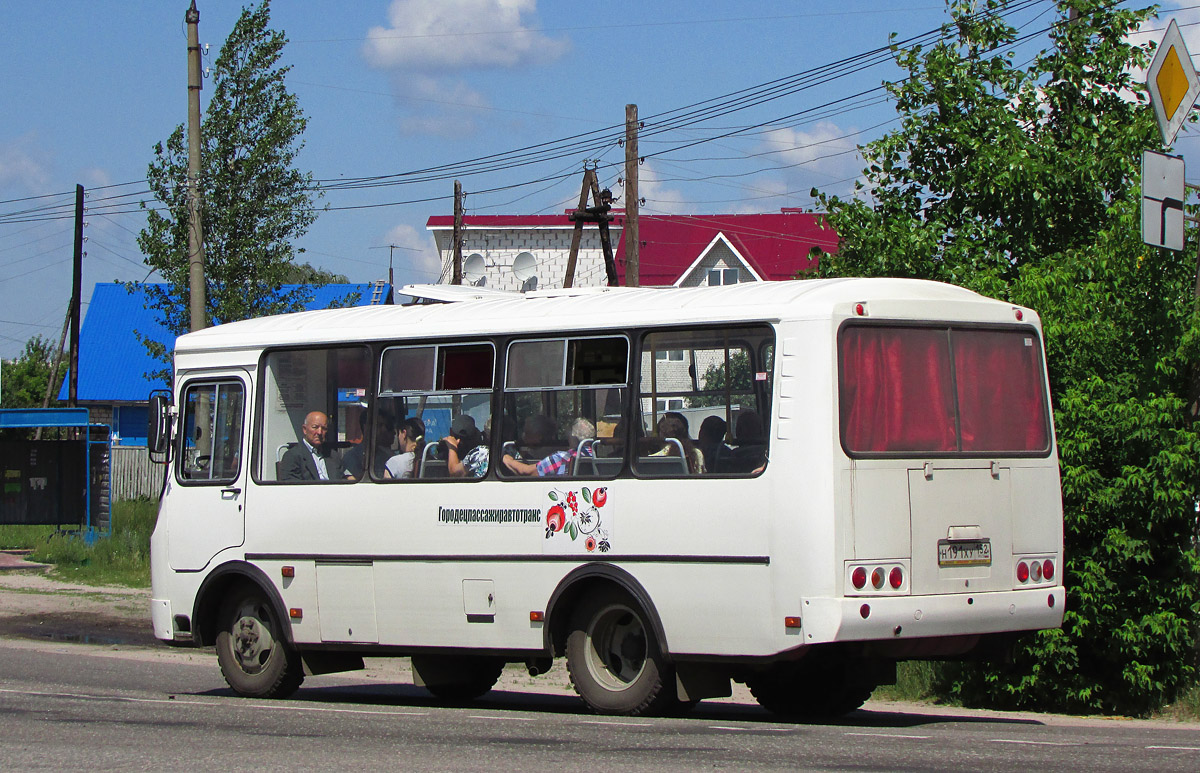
point(395, 87)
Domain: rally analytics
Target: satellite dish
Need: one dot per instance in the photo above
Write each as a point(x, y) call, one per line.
point(474, 269)
point(524, 267)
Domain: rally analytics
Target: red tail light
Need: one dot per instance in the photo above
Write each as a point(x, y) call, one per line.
point(859, 578)
point(896, 577)
point(1048, 569)
point(1022, 572)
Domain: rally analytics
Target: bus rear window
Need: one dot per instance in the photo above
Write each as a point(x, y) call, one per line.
point(941, 391)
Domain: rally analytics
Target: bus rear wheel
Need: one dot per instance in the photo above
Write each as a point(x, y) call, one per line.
point(455, 678)
point(614, 659)
point(254, 657)
point(817, 687)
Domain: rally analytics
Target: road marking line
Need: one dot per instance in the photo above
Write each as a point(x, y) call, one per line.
point(1177, 748)
point(618, 724)
point(890, 735)
point(1031, 743)
point(210, 704)
point(502, 719)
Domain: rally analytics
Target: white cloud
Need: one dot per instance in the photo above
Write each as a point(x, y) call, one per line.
point(21, 165)
point(417, 261)
point(441, 35)
point(827, 154)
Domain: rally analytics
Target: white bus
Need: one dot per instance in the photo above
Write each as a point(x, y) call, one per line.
point(789, 484)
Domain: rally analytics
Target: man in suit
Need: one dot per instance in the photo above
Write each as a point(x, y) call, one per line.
point(311, 459)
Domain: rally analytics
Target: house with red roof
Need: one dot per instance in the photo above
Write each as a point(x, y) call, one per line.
point(510, 252)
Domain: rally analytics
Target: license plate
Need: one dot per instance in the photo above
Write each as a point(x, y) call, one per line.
point(964, 552)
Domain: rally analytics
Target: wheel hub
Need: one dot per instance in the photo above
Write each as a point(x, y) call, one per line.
point(252, 643)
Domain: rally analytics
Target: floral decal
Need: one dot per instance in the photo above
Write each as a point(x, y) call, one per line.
point(578, 515)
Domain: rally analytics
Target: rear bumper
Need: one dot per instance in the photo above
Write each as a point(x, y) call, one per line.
point(922, 617)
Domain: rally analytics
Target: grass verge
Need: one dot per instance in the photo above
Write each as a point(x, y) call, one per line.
point(120, 559)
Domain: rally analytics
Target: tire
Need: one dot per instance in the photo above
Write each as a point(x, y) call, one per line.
point(614, 658)
point(817, 687)
point(473, 677)
point(255, 659)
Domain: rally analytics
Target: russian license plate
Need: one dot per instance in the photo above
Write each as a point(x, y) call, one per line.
point(964, 552)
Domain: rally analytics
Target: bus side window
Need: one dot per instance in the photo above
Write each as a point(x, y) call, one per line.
point(441, 399)
point(705, 402)
point(302, 389)
point(564, 400)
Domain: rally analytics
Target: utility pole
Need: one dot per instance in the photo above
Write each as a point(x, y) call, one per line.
point(597, 213)
point(456, 273)
point(76, 300)
point(631, 196)
point(196, 288)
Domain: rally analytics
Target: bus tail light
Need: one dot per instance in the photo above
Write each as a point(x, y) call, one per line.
point(888, 578)
point(859, 578)
point(1022, 572)
point(1035, 571)
point(1048, 569)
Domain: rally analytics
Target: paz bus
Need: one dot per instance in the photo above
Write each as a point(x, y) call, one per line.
point(793, 485)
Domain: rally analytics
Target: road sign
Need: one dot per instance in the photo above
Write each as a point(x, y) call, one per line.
point(1173, 84)
point(1162, 200)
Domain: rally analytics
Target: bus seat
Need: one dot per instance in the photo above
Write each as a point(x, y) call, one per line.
point(664, 465)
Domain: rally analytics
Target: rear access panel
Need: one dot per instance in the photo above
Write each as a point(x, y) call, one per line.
point(961, 529)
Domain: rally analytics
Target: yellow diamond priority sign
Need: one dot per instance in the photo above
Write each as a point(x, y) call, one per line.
point(1173, 84)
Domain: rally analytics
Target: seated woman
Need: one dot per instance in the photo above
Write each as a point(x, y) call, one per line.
point(674, 426)
point(412, 443)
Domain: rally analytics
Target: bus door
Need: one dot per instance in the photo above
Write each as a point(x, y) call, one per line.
point(208, 493)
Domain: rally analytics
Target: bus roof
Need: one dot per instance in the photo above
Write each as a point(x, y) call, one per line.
point(555, 311)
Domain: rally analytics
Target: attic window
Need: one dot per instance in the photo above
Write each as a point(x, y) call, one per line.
point(723, 276)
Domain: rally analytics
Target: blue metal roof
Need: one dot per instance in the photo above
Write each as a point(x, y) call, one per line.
point(113, 363)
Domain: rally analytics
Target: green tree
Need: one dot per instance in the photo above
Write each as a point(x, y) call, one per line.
point(255, 202)
point(1022, 182)
point(25, 378)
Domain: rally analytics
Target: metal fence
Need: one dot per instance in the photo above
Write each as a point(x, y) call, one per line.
point(134, 476)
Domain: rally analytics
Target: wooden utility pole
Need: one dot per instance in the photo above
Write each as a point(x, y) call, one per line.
point(196, 302)
point(589, 175)
point(597, 213)
point(76, 299)
point(631, 196)
point(456, 273)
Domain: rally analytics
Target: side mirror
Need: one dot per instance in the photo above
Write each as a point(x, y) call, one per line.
point(158, 429)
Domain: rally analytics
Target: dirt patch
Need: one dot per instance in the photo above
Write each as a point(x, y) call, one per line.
point(33, 606)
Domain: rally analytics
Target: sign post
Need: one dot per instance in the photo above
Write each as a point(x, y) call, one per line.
point(1162, 200)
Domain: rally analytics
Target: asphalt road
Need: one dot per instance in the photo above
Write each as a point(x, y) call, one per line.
point(72, 706)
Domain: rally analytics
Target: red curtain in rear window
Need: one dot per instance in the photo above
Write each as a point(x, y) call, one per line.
point(1001, 401)
point(896, 393)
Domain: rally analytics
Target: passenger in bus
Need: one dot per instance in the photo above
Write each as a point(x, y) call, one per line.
point(354, 460)
point(711, 441)
point(412, 444)
point(466, 449)
point(311, 458)
point(750, 447)
point(539, 432)
point(674, 426)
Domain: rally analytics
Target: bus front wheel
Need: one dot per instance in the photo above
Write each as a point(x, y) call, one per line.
point(614, 658)
point(254, 658)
